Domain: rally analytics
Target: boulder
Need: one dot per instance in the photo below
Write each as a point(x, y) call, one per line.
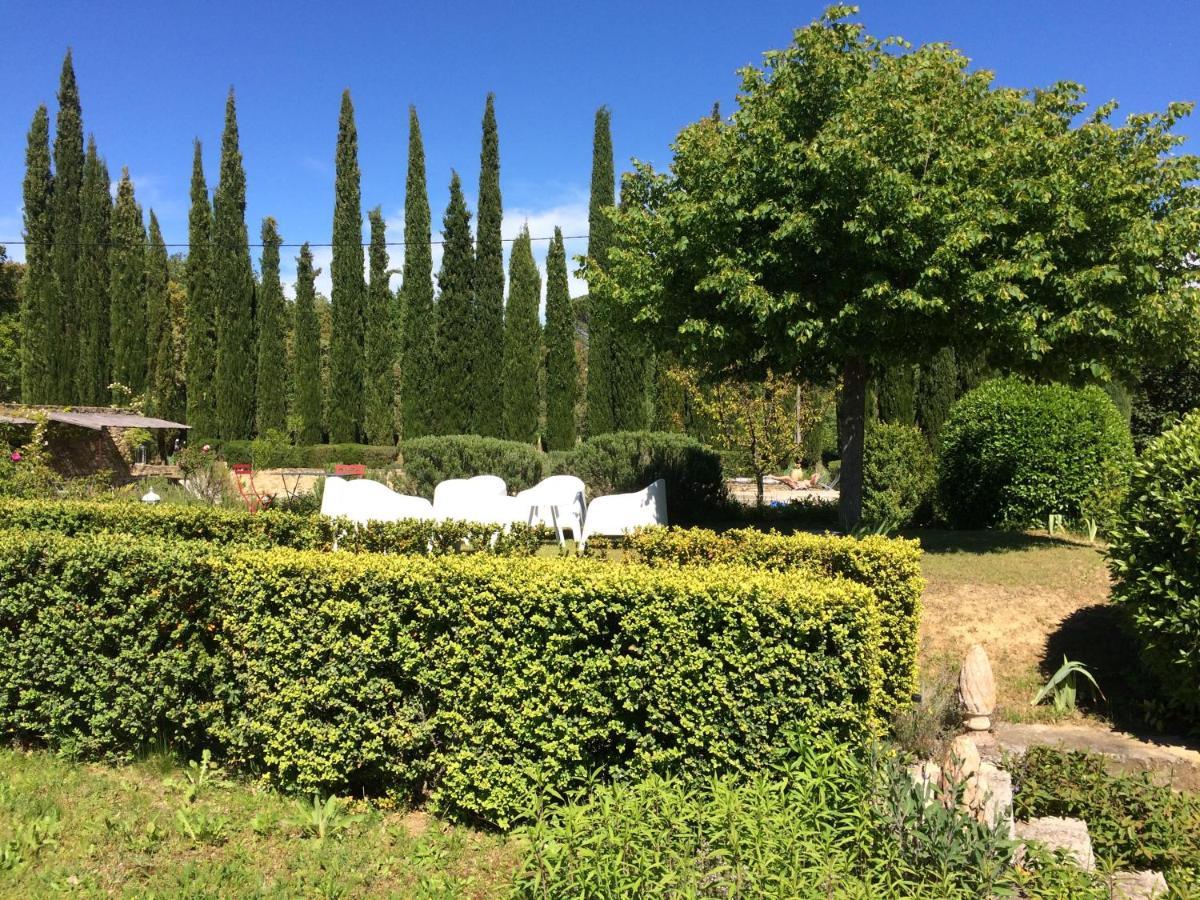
point(1145, 885)
point(991, 798)
point(976, 689)
point(1057, 833)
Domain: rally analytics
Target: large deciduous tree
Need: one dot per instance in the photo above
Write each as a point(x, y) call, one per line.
point(306, 353)
point(418, 323)
point(37, 286)
point(562, 367)
point(378, 344)
point(271, 391)
point(68, 181)
point(201, 331)
point(233, 284)
point(349, 288)
point(522, 343)
point(91, 370)
point(456, 327)
point(127, 288)
point(489, 284)
point(868, 205)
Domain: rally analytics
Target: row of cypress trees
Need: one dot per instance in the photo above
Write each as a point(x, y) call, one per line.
point(99, 323)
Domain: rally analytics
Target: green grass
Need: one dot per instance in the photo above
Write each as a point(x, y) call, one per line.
point(146, 829)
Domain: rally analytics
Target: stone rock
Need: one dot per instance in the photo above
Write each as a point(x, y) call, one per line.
point(927, 776)
point(991, 798)
point(960, 762)
point(977, 689)
point(1057, 833)
point(1138, 885)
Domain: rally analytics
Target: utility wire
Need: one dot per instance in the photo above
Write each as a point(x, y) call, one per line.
point(51, 243)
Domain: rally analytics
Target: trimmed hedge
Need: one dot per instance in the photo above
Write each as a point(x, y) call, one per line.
point(426, 461)
point(889, 567)
point(270, 528)
point(310, 456)
point(470, 680)
point(1154, 556)
point(1013, 453)
point(898, 475)
point(626, 461)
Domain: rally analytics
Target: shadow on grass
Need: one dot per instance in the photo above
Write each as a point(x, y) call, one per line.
point(937, 540)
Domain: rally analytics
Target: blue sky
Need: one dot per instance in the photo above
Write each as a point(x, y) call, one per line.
point(154, 75)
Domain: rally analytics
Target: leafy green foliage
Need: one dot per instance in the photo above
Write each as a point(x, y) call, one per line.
point(889, 568)
point(487, 368)
point(91, 374)
point(201, 309)
point(418, 320)
point(1133, 822)
point(630, 460)
point(937, 389)
point(271, 390)
point(306, 353)
point(37, 287)
point(67, 224)
point(1063, 686)
point(426, 461)
point(158, 321)
point(1154, 556)
point(600, 419)
point(1014, 453)
point(379, 350)
point(10, 328)
point(127, 325)
point(522, 344)
point(1163, 396)
point(896, 392)
point(349, 293)
point(562, 367)
point(457, 331)
point(898, 475)
point(619, 669)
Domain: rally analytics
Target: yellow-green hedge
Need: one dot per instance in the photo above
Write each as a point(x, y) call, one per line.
point(464, 679)
point(889, 567)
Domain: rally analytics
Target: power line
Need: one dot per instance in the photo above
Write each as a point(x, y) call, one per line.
point(51, 243)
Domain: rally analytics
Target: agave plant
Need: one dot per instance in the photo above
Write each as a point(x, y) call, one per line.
point(1063, 686)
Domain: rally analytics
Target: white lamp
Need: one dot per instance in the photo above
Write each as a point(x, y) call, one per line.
point(151, 497)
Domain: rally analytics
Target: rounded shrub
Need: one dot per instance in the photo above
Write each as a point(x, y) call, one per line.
point(427, 460)
point(626, 461)
point(898, 475)
point(1013, 453)
point(1155, 560)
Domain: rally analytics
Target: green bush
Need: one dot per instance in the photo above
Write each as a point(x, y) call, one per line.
point(270, 528)
point(1154, 556)
point(428, 460)
point(472, 678)
point(890, 568)
point(1014, 453)
point(271, 453)
point(898, 475)
point(627, 461)
point(1134, 823)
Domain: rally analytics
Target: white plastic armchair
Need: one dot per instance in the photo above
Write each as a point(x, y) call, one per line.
point(365, 501)
point(469, 499)
point(618, 514)
point(558, 501)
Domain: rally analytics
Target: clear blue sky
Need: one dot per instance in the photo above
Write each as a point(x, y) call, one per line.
point(154, 75)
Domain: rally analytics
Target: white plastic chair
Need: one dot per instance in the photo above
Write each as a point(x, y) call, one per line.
point(490, 484)
point(558, 501)
point(619, 514)
point(468, 498)
point(363, 501)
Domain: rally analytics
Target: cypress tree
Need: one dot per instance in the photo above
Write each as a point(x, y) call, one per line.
point(936, 392)
point(127, 290)
point(630, 369)
point(37, 288)
point(233, 283)
point(418, 321)
point(306, 353)
point(599, 351)
point(271, 390)
point(489, 282)
point(522, 344)
point(456, 327)
point(201, 327)
point(349, 291)
point(91, 370)
point(896, 393)
point(562, 368)
point(378, 343)
point(158, 320)
point(68, 180)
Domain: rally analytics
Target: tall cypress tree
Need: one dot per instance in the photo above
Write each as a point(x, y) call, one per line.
point(349, 290)
point(157, 309)
point(489, 282)
point(378, 343)
point(37, 289)
point(271, 391)
point(631, 369)
point(456, 327)
point(68, 180)
point(937, 389)
point(562, 368)
point(233, 282)
point(91, 370)
point(896, 393)
point(201, 325)
point(306, 353)
point(418, 322)
point(127, 290)
point(522, 344)
point(599, 354)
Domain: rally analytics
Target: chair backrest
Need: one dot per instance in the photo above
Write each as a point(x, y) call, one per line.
point(357, 469)
point(241, 469)
point(621, 513)
point(566, 492)
point(369, 501)
point(559, 486)
point(332, 497)
point(491, 484)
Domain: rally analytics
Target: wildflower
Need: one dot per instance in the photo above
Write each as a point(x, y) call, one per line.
point(16, 456)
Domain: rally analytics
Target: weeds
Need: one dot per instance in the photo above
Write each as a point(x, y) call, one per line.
point(323, 819)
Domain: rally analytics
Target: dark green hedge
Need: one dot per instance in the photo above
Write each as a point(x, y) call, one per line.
point(1014, 453)
point(1154, 555)
point(890, 568)
point(428, 460)
point(311, 456)
point(469, 679)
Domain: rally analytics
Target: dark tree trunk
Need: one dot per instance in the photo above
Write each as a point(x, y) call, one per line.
point(851, 421)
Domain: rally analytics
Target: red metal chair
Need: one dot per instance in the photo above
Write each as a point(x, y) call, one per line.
point(350, 471)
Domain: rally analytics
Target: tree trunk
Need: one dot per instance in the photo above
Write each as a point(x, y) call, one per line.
point(851, 420)
point(758, 479)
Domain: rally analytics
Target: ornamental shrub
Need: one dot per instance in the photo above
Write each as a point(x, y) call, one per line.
point(1154, 556)
point(469, 680)
point(1014, 453)
point(890, 568)
point(627, 461)
point(271, 453)
point(898, 475)
point(427, 460)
